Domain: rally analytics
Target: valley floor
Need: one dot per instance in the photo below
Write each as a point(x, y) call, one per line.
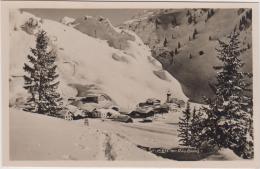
point(39, 137)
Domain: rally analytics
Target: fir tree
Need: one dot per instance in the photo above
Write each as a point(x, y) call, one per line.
point(249, 14)
point(184, 127)
point(188, 13)
point(172, 53)
point(212, 12)
point(156, 23)
point(194, 19)
point(174, 21)
point(240, 25)
point(196, 127)
point(179, 45)
point(208, 15)
point(95, 33)
point(190, 56)
point(193, 127)
point(165, 42)
point(195, 32)
point(40, 81)
point(228, 120)
point(248, 46)
point(190, 19)
point(176, 51)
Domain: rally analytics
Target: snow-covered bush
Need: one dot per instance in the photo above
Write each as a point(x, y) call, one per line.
point(30, 25)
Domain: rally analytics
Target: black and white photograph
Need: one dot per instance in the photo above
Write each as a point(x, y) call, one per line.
point(131, 84)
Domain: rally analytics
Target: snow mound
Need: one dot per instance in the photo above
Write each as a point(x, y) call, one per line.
point(229, 154)
point(126, 75)
point(224, 154)
point(63, 140)
point(67, 21)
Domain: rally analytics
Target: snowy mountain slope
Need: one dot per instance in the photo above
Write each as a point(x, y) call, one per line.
point(101, 28)
point(86, 63)
point(192, 69)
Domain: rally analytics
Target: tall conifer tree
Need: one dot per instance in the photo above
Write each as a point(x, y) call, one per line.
point(229, 115)
point(184, 127)
point(40, 80)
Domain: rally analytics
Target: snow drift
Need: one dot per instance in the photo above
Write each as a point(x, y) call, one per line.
point(126, 74)
point(57, 139)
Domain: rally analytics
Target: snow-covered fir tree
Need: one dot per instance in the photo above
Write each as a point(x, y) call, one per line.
point(40, 80)
point(229, 116)
point(196, 127)
point(184, 133)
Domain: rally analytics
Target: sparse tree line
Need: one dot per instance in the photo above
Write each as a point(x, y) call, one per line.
point(210, 13)
point(193, 19)
point(227, 120)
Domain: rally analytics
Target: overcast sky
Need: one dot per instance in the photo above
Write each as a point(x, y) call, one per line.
point(116, 16)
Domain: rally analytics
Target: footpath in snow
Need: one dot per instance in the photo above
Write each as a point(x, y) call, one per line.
point(39, 137)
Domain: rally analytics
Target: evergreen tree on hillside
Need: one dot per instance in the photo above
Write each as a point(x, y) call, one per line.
point(41, 79)
point(179, 45)
point(176, 51)
point(172, 53)
point(190, 56)
point(194, 19)
point(211, 12)
point(228, 114)
point(156, 23)
point(174, 21)
point(195, 32)
point(165, 42)
point(184, 127)
point(249, 14)
point(190, 19)
point(188, 13)
point(208, 15)
point(196, 127)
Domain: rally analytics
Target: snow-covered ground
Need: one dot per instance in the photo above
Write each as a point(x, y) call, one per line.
point(39, 137)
